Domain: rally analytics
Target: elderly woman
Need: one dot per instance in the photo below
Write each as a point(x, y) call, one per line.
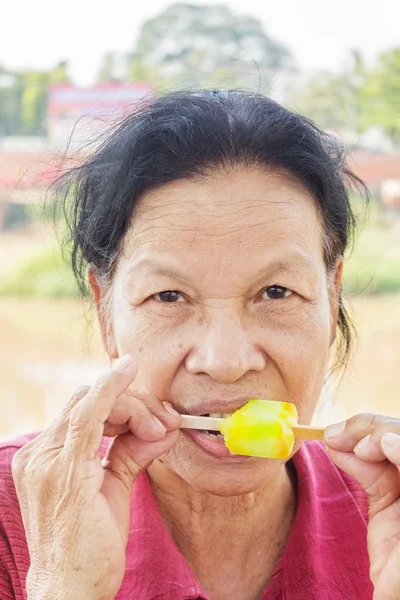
point(212, 228)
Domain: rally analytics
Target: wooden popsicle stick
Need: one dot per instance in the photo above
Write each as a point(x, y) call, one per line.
point(192, 422)
point(308, 432)
point(304, 432)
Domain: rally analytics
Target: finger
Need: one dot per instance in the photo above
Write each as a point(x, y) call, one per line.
point(87, 418)
point(361, 434)
point(380, 481)
point(58, 428)
point(390, 444)
point(130, 414)
point(126, 457)
point(127, 405)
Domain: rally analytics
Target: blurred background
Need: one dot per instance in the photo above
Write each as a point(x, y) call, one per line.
point(68, 71)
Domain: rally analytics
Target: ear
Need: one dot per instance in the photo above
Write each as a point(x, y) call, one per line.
point(336, 286)
point(105, 323)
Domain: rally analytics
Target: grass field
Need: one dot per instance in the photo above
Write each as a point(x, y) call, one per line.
point(48, 349)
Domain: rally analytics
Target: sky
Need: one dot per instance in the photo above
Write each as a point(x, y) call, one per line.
point(319, 33)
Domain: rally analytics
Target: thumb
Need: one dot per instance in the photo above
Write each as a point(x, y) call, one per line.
point(380, 481)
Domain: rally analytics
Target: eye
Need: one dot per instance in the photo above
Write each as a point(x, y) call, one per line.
point(168, 296)
point(276, 292)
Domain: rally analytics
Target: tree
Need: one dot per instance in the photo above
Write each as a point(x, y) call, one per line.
point(23, 99)
point(335, 100)
point(9, 102)
point(382, 95)
point(357, 97)
point(106, 72)
point(60, 73)
point(33, 102)
point(192, 45)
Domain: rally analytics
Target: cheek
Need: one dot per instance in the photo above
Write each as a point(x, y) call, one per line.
point(298, 343)
point(158, 348)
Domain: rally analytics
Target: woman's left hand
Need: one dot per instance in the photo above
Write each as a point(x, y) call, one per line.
point(368, 449)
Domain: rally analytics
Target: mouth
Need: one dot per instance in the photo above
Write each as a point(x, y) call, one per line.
point(212, 442)
point(214, 415)
point(209, 441)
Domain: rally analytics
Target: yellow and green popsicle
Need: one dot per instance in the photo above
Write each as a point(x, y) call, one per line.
point(260, 428)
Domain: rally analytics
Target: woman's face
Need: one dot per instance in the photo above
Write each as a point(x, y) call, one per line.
point(221, 294)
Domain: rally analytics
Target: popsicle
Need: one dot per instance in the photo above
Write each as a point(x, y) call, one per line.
point(260, 428)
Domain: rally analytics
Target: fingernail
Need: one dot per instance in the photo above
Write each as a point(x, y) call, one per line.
point(362, 444)
point(168, 406)
point(122, 363)
point(335, 429)
point(391, 439)
point(160, 424)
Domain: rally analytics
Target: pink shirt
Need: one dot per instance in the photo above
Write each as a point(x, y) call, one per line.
point(325, 557)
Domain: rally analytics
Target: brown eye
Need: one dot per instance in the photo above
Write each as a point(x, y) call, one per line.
point(276, 292)
point(168, 296)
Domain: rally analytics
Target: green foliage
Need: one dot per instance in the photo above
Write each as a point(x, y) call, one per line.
point(44, 275)
point(357, 97)
point(189, 45)
point(17, 216)
point(106, 72)
point(23, 99)
point(382, 94)
point(374, 266)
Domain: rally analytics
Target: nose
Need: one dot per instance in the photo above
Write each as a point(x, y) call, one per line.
point(225, 352)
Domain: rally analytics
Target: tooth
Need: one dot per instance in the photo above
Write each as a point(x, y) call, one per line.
point(216, 415)
point(220, 436)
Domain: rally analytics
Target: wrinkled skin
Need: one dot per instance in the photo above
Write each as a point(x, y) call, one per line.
point(220, 244)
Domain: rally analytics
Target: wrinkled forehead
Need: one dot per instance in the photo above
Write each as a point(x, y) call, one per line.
point(242, 211)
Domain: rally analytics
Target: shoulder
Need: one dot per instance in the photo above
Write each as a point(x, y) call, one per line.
point(14, 555)
point(313, 463)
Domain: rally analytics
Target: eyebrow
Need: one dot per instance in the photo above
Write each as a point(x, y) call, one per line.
point(158, 269)
point(293, 263)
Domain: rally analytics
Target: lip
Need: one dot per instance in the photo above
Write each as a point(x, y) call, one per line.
point(226, 406)
point(212, 446)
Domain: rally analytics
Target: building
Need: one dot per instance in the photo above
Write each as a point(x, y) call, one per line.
point(77, 116)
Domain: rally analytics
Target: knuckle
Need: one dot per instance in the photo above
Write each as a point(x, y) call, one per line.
point(148, 399)
point(80, 393)
point(78, 418)
point(23, 456)
point(139, 418)
point(18, 463)
point(365, 421)
point(102, 385)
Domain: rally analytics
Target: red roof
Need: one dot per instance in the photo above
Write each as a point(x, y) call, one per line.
point(28, 170)
point(39, 169)
point(374, 168)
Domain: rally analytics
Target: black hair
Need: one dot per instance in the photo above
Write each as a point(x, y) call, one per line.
point(188, 134)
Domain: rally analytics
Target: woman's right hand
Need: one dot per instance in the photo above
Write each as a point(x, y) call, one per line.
point(76, 508)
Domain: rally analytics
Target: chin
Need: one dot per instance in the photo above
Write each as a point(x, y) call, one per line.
point(221, 477)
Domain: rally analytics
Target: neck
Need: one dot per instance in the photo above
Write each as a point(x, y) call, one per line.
point(206, 527)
